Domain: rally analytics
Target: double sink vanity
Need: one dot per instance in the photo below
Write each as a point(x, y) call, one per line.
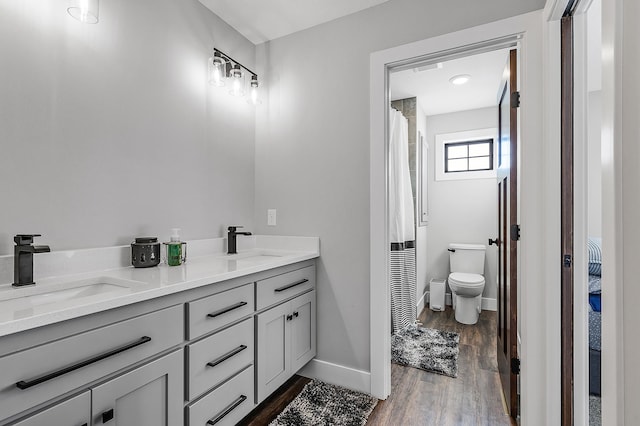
point(198, 344)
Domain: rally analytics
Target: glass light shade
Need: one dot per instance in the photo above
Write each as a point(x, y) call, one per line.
point(236, 76)
point(85, 11)
point(216, 70)
point(254, 90)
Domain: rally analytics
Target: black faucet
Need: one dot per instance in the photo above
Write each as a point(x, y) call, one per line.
point(231, 239)
point(23, 259)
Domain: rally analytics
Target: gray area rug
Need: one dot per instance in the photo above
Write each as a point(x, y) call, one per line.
point(322, 404)
point(427, 349)
point(595, 411)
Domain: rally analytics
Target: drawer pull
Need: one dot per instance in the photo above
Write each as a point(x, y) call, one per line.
point(107, 416)
point(288, 286)
point(227, 309)
point(226, 356)
point(25, 384)
point(227, 410)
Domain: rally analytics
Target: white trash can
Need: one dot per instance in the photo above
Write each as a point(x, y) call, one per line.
point(436, 294)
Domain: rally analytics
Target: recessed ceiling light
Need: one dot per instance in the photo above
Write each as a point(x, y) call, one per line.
point(460, 79)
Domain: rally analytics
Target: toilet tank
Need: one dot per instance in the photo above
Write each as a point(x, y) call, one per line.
point(467, 258)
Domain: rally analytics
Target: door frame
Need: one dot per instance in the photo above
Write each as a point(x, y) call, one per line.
point(536, 378)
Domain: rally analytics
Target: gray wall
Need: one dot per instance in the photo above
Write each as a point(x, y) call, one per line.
point(312, 146)
point(461, 211)
point(422, 232)
point(110, 131)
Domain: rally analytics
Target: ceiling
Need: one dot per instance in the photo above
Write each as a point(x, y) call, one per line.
point(263, 20)
point(438, 96)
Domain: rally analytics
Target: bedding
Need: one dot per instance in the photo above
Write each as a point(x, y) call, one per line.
point(595, 289)
point(594, 249)
point(594, 352)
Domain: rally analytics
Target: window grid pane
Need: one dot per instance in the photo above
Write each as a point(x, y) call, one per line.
point(469, 156)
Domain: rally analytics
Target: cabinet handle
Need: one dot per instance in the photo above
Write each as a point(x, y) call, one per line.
point(226, 356)
point(107, 415)
point(227, 309)
point(25, 384)
point(227, 410)
point(288, 286)
point(289, 317)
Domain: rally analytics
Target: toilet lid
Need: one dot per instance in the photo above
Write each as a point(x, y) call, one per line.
point(465, 278)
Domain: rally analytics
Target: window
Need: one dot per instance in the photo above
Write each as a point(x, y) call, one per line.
point(468, 156)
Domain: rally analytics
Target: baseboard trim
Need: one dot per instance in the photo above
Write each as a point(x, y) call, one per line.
point(487, 304)
point(423, 302)
point(340, 375)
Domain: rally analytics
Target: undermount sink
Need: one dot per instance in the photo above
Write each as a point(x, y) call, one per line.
point(252, 258)
point(44, 294)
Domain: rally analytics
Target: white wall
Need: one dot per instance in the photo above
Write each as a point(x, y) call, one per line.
point(312, 159)
point(461, 211)
point(594, 178)
point(110, 131)
point(621, 209)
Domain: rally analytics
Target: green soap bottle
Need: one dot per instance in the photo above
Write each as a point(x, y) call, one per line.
point(175, 255)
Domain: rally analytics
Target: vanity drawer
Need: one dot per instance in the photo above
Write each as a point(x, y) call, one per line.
point(226, 405)
point(218, 357)
point(216, 311)
point(35, 375)
point(281, 287)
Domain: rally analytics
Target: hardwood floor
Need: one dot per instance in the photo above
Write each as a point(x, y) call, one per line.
point(422, 398)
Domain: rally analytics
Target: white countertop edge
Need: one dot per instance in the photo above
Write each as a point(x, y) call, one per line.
point(72, 312)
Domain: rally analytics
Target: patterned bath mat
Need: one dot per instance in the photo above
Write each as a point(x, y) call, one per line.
point(322, 404)
point(428, 349)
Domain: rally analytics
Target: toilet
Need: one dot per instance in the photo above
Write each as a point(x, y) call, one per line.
point(466, 280)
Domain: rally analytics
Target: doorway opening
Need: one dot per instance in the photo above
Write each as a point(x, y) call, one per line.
point(524, 33)
point(462, 199)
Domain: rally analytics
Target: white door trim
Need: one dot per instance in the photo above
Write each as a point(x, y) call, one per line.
point(535, 378)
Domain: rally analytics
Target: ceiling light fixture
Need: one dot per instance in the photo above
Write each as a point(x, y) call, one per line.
point(223, 68)
point(85, 11)
point(460, 79)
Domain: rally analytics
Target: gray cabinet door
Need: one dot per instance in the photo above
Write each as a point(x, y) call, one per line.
point(273, 361)
point(72, 412)
point(151, 395)
point(303, 330)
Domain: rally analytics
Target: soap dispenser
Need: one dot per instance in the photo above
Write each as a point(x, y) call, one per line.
point(175, 250)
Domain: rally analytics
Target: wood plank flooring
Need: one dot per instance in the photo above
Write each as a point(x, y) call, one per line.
point(422, 398)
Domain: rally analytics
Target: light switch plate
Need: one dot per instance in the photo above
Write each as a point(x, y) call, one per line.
point(271, 217)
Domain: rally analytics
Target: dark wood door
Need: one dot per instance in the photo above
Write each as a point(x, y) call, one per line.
point(508, 234)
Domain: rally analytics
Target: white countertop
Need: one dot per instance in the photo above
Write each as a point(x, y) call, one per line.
point(124, 285)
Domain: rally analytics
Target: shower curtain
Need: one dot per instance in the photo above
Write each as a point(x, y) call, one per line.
point(402, 260)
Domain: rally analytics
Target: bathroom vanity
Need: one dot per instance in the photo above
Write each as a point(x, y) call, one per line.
point(199, 344)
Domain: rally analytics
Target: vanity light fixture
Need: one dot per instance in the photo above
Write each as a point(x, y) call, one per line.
point(254, 90)
point(217, 70)
point(85, 11)
point(224, 69)
point(460, 79)
point(237, 81)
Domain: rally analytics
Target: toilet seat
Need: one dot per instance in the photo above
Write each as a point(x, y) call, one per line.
point(464, 279)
